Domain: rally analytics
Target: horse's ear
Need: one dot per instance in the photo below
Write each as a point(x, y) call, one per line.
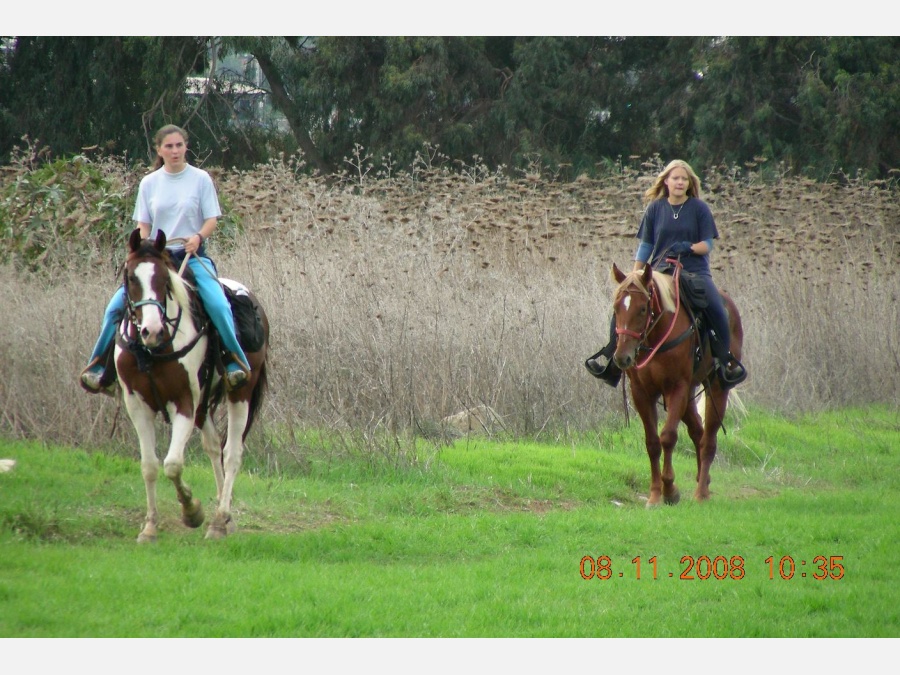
point(160, 240)
point(646, 275)
point(134, 241)
point(617, 275)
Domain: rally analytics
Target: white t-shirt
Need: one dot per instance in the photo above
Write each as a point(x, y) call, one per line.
point(177, 204)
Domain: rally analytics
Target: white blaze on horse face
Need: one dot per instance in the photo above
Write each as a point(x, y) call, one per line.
point(151, 327)
point(626, 302)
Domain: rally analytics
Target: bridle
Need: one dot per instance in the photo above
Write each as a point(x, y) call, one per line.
point(654, 316)
point(145, 357)
point(170, 324)
point(135, 345)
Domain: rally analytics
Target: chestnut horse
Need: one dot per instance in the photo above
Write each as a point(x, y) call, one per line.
point(655, 346)
point(166, 361)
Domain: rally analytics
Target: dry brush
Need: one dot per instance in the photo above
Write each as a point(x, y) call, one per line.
point(396, 300)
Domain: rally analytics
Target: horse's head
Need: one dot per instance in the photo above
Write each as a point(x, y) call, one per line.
point(632, 305)
point(147, 285)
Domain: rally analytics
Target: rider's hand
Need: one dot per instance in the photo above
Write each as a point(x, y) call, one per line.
point(679, 249)
point(193, 243)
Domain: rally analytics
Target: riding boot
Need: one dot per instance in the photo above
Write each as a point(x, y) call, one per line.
point(610, 373)
point(236, 373)
point(729, 370)
point(100, 374)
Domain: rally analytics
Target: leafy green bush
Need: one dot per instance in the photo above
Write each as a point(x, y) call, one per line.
point(64, 210)
point(72, 211)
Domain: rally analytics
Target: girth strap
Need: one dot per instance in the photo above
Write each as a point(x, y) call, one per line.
point(671, 343)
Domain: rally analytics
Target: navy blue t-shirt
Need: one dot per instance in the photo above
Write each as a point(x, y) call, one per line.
point(661, 229)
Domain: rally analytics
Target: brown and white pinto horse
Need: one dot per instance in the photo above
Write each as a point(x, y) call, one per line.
point(165, 363)
point(655, 347)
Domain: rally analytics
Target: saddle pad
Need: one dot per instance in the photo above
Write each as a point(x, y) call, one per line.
point(247, 320)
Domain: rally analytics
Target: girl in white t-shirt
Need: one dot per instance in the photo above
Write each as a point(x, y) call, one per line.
point(179, 200)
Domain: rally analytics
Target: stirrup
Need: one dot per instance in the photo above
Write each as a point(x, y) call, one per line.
point(737, 375)
point(235, 378)
point(93, 382)
point(609, 373)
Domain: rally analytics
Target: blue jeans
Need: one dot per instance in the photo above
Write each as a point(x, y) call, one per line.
point(214, 301)
point(715, 312)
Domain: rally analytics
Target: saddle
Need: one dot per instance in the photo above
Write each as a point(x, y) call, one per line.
point(692, 290)
point(694, 301)
point(247, 318)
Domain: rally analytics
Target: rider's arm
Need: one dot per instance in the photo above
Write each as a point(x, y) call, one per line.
point(642, 255)
point(702, 247)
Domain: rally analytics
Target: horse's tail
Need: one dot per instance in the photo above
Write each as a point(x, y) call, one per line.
point(735, 405)
point(256, 398)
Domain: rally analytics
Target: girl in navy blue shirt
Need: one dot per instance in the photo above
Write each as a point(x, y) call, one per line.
point(678, 224)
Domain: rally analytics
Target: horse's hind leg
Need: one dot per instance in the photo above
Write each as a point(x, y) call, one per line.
point(173, 465)
point(694, 424)
point(716, 404)
point(222, 524)
point(212, 445)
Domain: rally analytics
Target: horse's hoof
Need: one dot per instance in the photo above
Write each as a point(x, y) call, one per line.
point(215, 533)
point(673, 499)
point(220, 528)
point(193, 517)
point(146, 538)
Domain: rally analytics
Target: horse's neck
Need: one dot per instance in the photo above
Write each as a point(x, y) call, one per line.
point(662, 318)
point(188, 324)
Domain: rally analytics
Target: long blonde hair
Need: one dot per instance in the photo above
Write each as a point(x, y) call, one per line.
point(659, 189)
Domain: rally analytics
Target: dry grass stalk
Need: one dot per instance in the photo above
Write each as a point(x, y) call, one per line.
point(399, 302)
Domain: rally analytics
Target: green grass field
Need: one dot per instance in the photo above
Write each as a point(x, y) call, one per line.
point(490, 540)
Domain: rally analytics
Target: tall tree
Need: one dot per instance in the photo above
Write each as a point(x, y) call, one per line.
point(72, 92)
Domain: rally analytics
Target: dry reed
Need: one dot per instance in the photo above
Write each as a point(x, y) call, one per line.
point(397, 301)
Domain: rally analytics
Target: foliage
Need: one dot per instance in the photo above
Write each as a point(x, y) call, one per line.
point(64, 209)
point(812, 104)
point(112, 93)
point(75, 211)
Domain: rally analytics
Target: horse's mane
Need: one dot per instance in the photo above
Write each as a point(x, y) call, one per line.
point(665, 286)
point(181, 289)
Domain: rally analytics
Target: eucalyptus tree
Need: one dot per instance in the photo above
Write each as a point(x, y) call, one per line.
point(71, 93)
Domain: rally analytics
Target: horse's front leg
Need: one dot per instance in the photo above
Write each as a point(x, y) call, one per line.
point(646, 407)
point(173, 465)
point(223, 524)
point(676, 403)
point(142, 418)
